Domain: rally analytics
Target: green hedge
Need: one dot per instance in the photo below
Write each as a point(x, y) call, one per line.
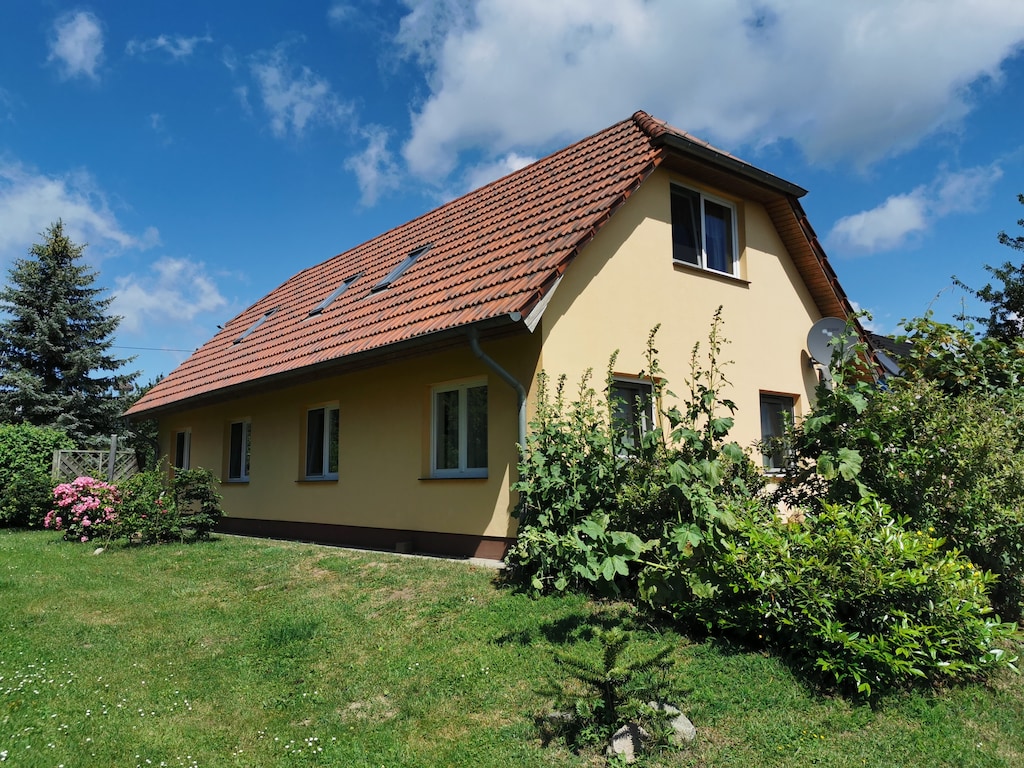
point(26, 460)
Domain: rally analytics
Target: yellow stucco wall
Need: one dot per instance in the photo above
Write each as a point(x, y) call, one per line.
point(624, 283)
point(384, 457)
point(621, 286)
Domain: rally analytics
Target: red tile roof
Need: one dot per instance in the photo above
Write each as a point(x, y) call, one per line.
point(493, 252)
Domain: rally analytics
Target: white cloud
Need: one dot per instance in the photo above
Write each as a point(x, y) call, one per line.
point(31, 201)
point(340, 12)
point(177, 46)
point(902, 218)
point(77, 45)
point(485, 173)
point(173, 290)
point(854, 82)
point(375, 168)
point(295, 97)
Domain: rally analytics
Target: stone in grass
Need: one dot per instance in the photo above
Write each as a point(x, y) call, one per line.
point(627, 742)
point(98, 551)
point(683, 731)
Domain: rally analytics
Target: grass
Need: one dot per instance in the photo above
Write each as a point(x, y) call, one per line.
point(240, 652)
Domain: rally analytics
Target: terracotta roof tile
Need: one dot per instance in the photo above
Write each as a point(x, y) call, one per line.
point(493, 252)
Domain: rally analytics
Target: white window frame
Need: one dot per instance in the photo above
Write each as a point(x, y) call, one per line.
point(185, 459)
point(702, 255)
point(325, 448)
point(244, 446)
point(462, 470)
point(773, 400)
point(640, 423)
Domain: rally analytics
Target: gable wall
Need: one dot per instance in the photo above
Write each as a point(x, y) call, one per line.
point(624, 283)
point(384, 417)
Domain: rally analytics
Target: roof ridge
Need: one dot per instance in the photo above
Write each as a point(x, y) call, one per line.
point(650, 125)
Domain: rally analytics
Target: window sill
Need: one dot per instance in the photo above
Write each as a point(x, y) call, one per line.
point(315, 480)
point(459, 478)
point(686, 266)
point(235, 481)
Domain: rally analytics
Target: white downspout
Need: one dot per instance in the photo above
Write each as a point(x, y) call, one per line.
point(474, 344)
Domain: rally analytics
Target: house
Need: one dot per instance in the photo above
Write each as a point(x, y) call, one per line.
point(376, 399)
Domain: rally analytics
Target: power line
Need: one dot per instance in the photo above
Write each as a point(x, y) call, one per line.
point(152, 349)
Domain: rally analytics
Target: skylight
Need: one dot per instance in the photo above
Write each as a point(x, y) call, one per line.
point(337, 292)
point(255, 325)
point(397, 271)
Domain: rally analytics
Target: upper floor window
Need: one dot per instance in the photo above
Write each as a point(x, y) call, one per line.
point(459, 431)
point(704, 231)
point(239, 450)
point(322, 443)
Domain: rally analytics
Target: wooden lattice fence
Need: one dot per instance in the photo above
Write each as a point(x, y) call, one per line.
point(111, 465)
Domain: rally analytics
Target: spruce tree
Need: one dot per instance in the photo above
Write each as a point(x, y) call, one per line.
point(56, 369)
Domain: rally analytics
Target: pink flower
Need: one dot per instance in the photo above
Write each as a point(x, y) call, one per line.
point(85, 539)
point(86, 523)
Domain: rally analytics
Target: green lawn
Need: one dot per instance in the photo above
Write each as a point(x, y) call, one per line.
point(240, 652)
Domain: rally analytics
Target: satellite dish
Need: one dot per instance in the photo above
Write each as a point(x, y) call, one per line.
point(829, 338)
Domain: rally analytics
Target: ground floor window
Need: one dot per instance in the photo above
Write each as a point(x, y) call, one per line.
point(239, 449)
point(182, 448)
point(459, 431)
point(776, 417)
point(322, 443)
point(632, 410)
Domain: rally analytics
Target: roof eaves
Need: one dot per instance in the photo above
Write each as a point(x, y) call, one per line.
point(409, 347)
point(684, 145)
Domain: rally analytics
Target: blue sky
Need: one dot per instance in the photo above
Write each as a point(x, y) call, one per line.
point(209, 151)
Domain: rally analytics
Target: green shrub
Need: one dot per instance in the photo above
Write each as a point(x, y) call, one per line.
point(159, 508)
point(593, 504)
point(855, 598)
point(26, 460)
point(943, 445)
point(568, 482)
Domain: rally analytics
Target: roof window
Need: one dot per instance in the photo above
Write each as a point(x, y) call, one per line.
point(397, 271)
point(337, 292)
point(256, 325)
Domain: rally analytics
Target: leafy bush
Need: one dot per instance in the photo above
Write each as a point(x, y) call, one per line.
point(873, 593)
point(592, 504)
point(150, 507)
point(856, 598)
point(568, 485)
point(26, 458)
point(85, 509)
point(943, 445)
point(160, 508)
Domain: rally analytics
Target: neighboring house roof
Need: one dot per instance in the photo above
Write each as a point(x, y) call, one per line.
point(888, 352)
point(889, 344)
point(493, 257)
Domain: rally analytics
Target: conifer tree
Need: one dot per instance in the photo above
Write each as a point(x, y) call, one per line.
point(56, 369)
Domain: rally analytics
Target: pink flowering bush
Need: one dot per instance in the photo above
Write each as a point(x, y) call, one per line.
point(85, 509)
point(150, 507)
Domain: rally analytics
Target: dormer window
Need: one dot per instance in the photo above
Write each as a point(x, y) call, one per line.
point(703, 231)
point(335, 294)
point(255, 325)
point(397, 271)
